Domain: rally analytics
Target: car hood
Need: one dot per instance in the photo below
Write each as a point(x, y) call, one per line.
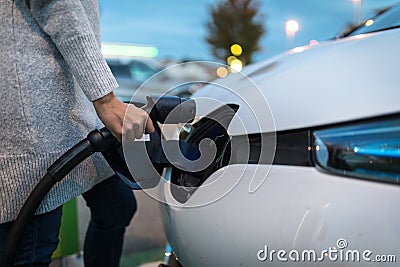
point(335, 81)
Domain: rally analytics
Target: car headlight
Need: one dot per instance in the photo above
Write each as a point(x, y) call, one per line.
point(369, 150)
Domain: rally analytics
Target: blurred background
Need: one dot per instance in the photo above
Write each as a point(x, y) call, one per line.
point(178, 29)
point(142, 38)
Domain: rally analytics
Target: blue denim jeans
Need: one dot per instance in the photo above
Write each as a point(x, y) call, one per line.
point(112, 206)
point(39, 241)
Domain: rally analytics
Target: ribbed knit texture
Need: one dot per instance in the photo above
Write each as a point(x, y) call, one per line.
point(51, 68)
point(90, 68)
point(79, 180)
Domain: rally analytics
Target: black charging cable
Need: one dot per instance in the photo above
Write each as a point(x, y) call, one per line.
point(96, 141)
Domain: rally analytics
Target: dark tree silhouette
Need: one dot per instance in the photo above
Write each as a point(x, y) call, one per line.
point(235, 21)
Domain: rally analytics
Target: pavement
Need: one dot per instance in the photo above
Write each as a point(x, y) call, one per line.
point(145, 232)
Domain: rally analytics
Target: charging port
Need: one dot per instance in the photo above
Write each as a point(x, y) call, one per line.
point(213, 127)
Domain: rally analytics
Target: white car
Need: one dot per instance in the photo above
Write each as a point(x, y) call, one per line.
point(329, 193)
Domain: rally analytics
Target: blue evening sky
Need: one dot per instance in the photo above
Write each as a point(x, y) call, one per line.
point(178, 27)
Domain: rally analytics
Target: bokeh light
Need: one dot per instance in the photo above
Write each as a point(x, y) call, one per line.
point(292, 26)
point(230, 59)
point(236, 65)
point(222, 72)
point(369, 22)
point(236, 50)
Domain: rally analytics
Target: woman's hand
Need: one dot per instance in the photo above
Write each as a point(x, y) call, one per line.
point(112, 112)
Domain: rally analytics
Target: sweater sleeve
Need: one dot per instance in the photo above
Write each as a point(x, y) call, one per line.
point(67, 24)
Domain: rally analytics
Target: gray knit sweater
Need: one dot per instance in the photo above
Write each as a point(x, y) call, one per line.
point(51, 69)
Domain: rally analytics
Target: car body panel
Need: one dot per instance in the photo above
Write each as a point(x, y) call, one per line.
point(328, 83)
point(296, 208)
point(299, 208)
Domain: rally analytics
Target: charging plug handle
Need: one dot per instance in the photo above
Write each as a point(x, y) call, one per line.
point(171, 109)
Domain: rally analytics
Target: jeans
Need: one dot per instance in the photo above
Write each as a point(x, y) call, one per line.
point(112, 206)
point(39, 241)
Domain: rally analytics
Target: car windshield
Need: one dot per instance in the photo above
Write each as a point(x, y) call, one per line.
point(390, 19)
